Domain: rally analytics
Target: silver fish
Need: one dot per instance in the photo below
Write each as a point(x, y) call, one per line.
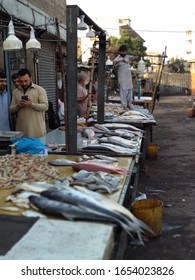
point(111, 159)
point(122, 125)
point(20, 199)
point(66, 210)
point(117, 140)
point(86, 201)
point(136, 113)
point(115, 149)
point(88, 133)
point(61, 162)
point(128, 133)
point(132, 117)
point(36, 187)
point(116, 207)
point(101, 127)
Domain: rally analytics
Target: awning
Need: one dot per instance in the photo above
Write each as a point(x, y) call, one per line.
point(30, 14)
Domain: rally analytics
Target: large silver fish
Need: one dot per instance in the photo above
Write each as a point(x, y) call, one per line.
point(122, 125)
point(101, 128)
point(128, 133)
point(86, 201)
point(115, 149)
point(136, 113)
point(66, 210)
point(109, 159)
point(117, 140)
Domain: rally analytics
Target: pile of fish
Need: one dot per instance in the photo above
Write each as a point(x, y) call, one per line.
point(79, 203)
point(119, 141)
point(95, 181)
point(15, 169)
point(135, 115)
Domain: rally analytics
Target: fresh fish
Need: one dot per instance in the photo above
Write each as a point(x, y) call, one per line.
point(108, 203)
point(88, 133)
point(33, 213)
point(67, 210)
point(101, 127)
point(111, 159)
point(114, 126)
point(97, 181)
point(128, 134)
point(117, 140)
point(20, 199)
point(81, 175)
point(88, 203)
point(61, 161)
point(94, 187)
point(111, 205)
point(10, 208)
point(132, 117)
point(135, 113)
point(36, 187)
point(91, 165)
point(116, 149)
point(101, 160)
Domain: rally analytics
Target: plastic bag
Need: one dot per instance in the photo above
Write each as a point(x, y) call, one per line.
point(28, 145)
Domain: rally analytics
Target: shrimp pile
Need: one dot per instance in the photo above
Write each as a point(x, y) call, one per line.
point(16, 169)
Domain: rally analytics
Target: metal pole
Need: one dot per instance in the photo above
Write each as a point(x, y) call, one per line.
point(101, 78)
point(71, 96)
point(62, 69)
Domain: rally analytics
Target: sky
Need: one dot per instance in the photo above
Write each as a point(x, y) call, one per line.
point(162, 24)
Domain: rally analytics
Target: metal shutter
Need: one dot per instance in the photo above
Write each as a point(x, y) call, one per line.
point(47, 71)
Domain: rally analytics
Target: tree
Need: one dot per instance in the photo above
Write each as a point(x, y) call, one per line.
point(134, 46)
point(176, 65)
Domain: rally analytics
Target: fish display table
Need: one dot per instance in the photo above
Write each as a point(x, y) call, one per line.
point(145, 101)
point(145, 124)
point(54, 238)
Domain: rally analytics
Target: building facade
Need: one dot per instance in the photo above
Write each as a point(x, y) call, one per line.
point(43, 63)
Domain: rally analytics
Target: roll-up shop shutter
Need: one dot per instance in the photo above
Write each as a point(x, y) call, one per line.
point(47, 71)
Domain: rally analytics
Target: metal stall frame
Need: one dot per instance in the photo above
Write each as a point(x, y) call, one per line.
point(70, 97)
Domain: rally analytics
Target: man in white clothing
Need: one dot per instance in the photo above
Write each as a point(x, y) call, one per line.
point(122, 64)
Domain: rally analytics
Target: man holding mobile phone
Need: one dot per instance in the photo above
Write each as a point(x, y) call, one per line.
point(30, 102)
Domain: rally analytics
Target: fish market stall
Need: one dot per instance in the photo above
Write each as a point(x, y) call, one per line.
point(36, 233)
point(117, 118)
point(145, 101)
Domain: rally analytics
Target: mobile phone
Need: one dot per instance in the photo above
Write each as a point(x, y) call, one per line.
point(24, 97)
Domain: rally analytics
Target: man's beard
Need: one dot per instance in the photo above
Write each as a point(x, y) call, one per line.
point(25, 88)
